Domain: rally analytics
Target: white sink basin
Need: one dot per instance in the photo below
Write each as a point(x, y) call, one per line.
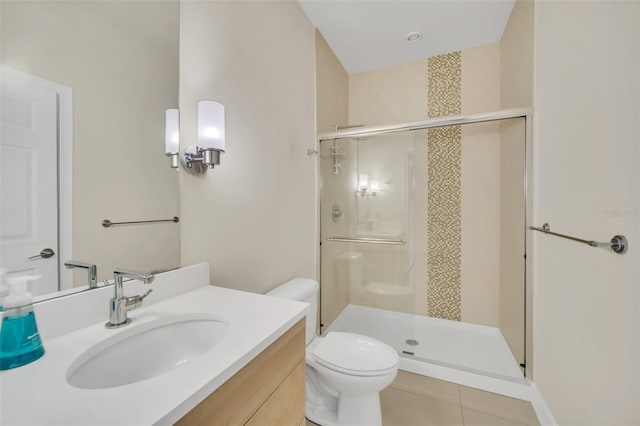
point(147, 350)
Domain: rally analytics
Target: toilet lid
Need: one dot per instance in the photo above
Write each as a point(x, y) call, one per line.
point(356, 354)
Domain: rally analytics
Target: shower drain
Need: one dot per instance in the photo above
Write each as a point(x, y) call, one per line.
point(412, 342)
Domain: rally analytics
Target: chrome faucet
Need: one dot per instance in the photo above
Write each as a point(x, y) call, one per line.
point(120, 304)
point(92, 271)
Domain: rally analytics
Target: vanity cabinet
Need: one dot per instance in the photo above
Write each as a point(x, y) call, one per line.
point(267, 391)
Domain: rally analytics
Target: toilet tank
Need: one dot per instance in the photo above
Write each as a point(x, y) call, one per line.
point(302, 290)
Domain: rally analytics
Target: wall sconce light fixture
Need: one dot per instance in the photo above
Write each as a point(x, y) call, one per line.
point(172, 136)
point(363, 184)
point(366, 187)
point(211, 139)
point(369, 187)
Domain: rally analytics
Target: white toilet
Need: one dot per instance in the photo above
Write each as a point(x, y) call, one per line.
point(345, 371)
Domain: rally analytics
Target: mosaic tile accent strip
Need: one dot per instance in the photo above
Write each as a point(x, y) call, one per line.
point(444, 73)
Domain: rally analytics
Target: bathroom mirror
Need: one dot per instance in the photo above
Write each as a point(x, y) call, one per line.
point(85, 86)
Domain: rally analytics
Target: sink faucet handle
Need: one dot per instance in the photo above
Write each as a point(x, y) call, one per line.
point(135, 301)
point(120, 304)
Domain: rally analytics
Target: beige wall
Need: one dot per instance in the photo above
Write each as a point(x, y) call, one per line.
point(121, 61)
point(587, 183)
point(516, 57)
point(516, 90)
point(254, 216)
point(332, 98)
point(332, 88)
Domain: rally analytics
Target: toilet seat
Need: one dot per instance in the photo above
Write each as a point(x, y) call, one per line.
point(355, 355)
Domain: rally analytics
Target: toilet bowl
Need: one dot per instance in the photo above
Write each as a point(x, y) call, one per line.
point(345, 372)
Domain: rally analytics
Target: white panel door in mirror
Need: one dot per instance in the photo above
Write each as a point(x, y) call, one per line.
point(29, 182)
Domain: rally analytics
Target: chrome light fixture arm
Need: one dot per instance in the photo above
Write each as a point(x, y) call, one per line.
point(196, 160)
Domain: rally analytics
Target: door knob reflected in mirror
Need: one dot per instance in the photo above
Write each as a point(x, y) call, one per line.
point(44, 254)
point(336, 213)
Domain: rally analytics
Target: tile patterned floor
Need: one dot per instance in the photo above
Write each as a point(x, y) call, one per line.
point(414, 400)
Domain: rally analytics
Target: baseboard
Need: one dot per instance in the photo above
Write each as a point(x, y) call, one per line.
point(541, 408)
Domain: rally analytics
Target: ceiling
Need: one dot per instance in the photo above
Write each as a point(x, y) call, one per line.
point(371, 34)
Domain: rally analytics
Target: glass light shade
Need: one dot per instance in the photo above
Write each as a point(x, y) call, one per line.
point(363, 182)
point(211, 125)
point(172, 131)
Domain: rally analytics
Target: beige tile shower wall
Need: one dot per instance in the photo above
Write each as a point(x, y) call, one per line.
point(386, 159)
point(392, 95)
point(399, 94)
point(254, 217)
point(332, 97)
point(480, 280)
point(586, 301)
point(516, 90)
point(337, 265)
point(420, 205)
point(121, 61)
point(512, 209)
point(480, 184)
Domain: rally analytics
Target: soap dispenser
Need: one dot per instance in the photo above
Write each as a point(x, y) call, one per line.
point(20, 342)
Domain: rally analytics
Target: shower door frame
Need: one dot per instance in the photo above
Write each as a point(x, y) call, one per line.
point(524, 113)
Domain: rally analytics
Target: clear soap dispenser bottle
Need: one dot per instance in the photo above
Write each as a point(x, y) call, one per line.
point(20, 342)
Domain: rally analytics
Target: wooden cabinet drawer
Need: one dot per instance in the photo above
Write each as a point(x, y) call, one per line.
point(286, 406)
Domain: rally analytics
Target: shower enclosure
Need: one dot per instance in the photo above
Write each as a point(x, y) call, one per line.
point(422, 230)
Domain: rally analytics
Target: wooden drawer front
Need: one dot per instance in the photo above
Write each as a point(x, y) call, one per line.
point(242, 395)
point(286, 406)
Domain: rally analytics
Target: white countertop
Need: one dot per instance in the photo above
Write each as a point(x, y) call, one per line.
point(38, 393)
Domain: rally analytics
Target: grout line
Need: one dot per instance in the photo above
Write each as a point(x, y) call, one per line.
point(461, 408)
point(498, 413)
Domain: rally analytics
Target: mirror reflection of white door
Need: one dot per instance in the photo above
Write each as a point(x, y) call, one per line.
point(29, 181)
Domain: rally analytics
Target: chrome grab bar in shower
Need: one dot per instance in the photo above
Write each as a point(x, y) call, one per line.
point(367, 240)
point(618, 243)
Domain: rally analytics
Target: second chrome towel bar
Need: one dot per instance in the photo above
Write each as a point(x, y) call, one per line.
point(618, 243)
point(107, 223)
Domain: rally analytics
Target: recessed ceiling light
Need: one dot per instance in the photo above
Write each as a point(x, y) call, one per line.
point(414, 36)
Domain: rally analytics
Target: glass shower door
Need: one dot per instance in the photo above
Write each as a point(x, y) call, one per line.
point(366, 224)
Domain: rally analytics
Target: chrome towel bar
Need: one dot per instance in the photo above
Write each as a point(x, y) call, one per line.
point(367, 240)
point(107, 223)
point(618, 243)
